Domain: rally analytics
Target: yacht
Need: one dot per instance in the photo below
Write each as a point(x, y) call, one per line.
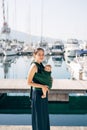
point(83, 45)
point(71, 47)
point(44, 45)
point(9, 51)
point(57, 48)
point(78, 67)
point(27, 49)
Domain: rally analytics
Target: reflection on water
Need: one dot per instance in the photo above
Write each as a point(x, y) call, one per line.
point(57, 60)
point(18, 66)
point(67, 61)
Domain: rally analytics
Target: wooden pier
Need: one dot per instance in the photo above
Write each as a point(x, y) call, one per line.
point(60, 90)
point(10, 127)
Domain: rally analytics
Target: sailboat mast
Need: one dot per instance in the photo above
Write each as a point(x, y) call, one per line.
point(5, 28)
point(15, 14)
point(3, 6)
point(42, 20)
point(7, 13)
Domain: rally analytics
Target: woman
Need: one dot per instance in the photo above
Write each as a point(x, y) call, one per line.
point(40, 116)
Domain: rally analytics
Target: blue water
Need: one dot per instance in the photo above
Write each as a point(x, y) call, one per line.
point(55, 120)
point(18, 67)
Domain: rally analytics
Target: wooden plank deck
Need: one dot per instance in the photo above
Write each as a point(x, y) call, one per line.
point(58, 84)
point(10, 127)
point(60, 89)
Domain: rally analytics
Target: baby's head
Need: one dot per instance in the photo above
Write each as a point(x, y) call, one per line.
point(47, 68)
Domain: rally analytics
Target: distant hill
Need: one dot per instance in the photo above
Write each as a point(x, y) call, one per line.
point(21, 36)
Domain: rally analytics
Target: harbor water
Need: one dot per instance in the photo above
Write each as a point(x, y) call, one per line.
point(18, 66)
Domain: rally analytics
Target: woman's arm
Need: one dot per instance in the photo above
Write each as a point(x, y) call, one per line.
point(32, 71)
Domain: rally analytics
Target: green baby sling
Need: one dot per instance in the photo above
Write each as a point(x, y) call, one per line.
point(43, 77)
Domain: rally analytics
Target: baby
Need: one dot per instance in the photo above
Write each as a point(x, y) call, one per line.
point(47, 68)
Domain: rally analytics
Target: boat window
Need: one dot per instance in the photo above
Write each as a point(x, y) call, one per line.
point(56, 47)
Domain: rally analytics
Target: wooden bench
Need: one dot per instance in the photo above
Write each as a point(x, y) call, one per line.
point(60, 90)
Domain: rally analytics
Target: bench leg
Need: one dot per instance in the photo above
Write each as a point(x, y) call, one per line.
point(58, 97)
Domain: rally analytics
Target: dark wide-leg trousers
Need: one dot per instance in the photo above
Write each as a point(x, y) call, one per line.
point(40, 115)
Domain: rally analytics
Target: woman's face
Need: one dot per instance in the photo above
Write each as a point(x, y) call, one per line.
point(39, 56)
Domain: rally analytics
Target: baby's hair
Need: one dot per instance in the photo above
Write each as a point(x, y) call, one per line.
point(48, 66)
point(37, 50)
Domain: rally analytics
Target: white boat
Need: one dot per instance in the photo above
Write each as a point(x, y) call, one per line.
point(83, 45)
point(57, 58)
point(57, 48)
point(27, 49)
point(78, 68)
point(71, 47)
point(71, 52)
point(9, 51)
point(44, 45)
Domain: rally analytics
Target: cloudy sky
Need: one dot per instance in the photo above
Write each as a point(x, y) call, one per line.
point(61, 18)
